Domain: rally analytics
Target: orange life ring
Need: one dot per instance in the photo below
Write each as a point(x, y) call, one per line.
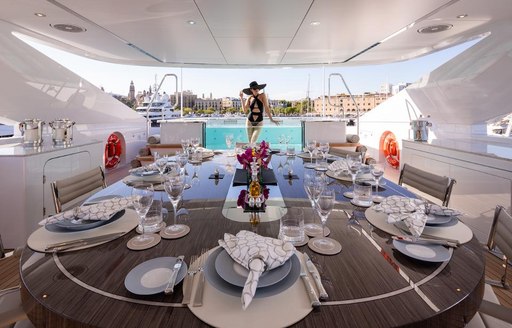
point(113, 151)
point(389, 147)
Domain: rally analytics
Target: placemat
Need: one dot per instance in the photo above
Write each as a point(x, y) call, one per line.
point(268, 177)
point(42, 237)
point(458, 231)
point(282, 310)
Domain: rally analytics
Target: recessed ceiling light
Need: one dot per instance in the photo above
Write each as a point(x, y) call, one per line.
point(40, 14)
point(462, 16)
point(314, 23)
point(68, 28)
point(191, 22)
point(435, 28)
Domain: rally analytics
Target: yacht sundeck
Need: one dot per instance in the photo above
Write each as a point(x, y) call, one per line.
point(459, 98)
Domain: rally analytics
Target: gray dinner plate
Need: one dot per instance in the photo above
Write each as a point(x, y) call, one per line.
point(151, 277)
point(439, 219)
point(68, 226)
point(145, 173)
point(235, 274)
point(220, 284)
point(100, 199)
point(423, 252)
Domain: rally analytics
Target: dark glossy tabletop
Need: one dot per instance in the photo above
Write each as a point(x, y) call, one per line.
point(369, 283)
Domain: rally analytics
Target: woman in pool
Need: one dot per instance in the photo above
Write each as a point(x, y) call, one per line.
point(255, 105)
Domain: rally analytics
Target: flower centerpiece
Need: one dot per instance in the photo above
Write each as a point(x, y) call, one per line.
point(258, 154)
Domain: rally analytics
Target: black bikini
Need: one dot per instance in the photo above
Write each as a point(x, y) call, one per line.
point(252, 114)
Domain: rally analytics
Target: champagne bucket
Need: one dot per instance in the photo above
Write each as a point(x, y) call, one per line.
point(420, 129)
point(32, 132)
point(62, 131)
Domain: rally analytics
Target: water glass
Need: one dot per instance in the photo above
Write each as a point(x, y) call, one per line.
point(142, 193)
point(290, 151)
point(154, 217)
point(363, 193)
point(377, 171)
point(292, 226)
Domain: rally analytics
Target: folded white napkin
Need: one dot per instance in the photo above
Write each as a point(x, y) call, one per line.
point(415, 222)
point(148, 169)
point(443, 211)
point(399, 204)
point(257, 254)
point(98, 211)
point(338, 165)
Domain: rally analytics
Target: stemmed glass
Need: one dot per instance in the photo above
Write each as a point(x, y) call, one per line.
point(142, 199)
point(174, 186)
point(324, 205)
point(195, 143)
point(229, 142)
point(311, 146)
point(354, 165)
point(377, 171)
point(185, 144)
point(161, 164)
point(324, 149)
point(313, 185)
point(182, 160)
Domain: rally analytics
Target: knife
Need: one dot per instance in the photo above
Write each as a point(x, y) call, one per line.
point(84, 241)
point(309, 287)
point(316, 276)
point(426, 241)
point(172, 280)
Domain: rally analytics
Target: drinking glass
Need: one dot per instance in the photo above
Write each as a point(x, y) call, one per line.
point(311, 146)
point(324, 205)
point(161, 163)
point(229, 141)
point(174, 186)
point(142, 199)
point(195, 143)
point(313, 185)
point(354, 165)
point(377, 171)
point(182, 160)
point(324, 148)
point(185, 143)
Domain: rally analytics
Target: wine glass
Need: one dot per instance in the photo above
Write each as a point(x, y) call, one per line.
point(313, 186)
point(229, 142)
point(195, 143)
point(185, 143)
point(377, 171)
point(311, 146)
point(161, 163)
point(142, 193)
point(174, 186)
point(354, 165)
point(324, 205)
point(324, 148)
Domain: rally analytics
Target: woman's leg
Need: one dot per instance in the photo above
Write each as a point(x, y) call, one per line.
point(250, 131)
point(256, 130)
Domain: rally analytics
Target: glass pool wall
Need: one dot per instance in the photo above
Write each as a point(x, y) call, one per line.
point(217, 129)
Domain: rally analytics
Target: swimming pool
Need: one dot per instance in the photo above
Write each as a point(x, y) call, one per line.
point(216, 131)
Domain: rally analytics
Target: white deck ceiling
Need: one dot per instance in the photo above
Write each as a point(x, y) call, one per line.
point(233, 33)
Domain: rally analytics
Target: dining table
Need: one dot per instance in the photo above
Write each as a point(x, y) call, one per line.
point(369, 283)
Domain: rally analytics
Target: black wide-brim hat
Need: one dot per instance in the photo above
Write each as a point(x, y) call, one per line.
point(253, 85)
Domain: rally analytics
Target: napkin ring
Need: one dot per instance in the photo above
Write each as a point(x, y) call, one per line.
point(257, 257)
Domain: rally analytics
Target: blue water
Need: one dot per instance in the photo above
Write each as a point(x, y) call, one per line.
point(216, 133)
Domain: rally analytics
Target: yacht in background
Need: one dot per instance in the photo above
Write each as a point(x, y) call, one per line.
point(161, 109)
point(460, 97)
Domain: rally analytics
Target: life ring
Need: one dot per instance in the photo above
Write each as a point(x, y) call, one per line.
point(113, 151)
point(389, 147)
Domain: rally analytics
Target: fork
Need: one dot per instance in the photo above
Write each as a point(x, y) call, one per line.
point(198, 296)
point(189, 279)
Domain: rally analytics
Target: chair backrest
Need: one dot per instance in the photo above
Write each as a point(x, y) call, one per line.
point(501, 232)
point(74, 189)
point(435, 185)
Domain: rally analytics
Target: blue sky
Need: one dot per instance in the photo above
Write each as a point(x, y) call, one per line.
point(290, 84)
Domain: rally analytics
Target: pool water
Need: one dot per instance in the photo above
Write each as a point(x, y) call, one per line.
point(216, 133)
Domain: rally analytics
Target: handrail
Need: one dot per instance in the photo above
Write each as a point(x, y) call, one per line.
point(329, 95)
point(351, 96)
point(148, 120)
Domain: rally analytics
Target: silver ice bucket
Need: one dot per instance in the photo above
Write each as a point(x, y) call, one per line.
point(32, 132)
point(62, 131)
point(420, 129)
